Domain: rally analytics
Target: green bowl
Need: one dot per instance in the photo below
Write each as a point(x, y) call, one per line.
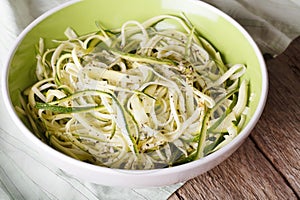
point(227, 36)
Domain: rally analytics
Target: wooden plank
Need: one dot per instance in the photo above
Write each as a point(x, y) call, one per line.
point(244, 175)
point(278, 132)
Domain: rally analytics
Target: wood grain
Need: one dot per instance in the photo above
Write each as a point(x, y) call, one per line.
point(245, 175)
point(278, 132)
point(267, 165)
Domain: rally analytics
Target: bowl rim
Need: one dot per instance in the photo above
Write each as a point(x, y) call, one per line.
point(235, 143)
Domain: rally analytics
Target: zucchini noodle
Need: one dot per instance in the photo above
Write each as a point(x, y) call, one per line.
point(138, 97)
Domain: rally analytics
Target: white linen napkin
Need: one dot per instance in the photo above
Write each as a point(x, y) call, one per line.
point(24, 175)
point(273, 24)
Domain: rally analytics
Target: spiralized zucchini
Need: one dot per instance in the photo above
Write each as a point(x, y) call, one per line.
point(138, 97)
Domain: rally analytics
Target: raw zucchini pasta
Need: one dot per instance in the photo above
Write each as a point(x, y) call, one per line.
point(143, 96)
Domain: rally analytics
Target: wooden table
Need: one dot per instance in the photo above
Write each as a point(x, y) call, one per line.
point(267, 165)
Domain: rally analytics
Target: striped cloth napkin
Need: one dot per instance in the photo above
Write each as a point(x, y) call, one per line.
point(25, 175)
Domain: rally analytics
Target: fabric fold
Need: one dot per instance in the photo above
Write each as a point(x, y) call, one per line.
point(272, 24)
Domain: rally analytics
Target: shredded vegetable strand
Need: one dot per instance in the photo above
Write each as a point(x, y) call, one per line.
point(138, 97)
